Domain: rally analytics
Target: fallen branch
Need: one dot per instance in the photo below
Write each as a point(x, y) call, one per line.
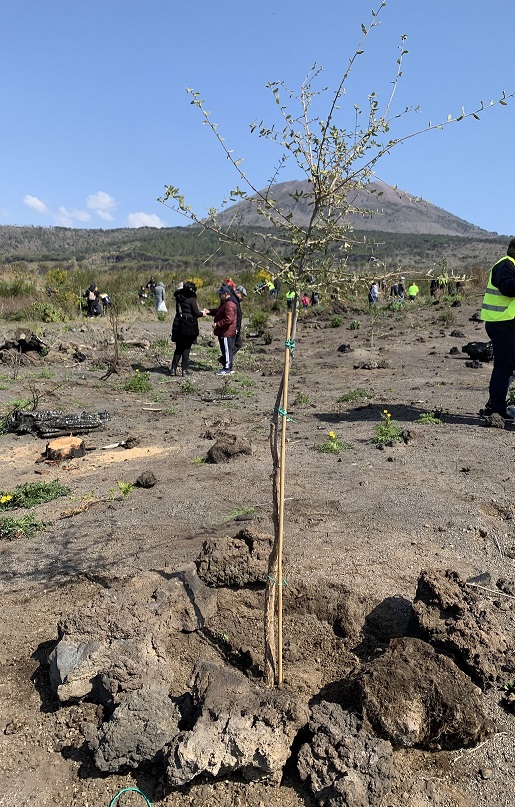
point(491, 591)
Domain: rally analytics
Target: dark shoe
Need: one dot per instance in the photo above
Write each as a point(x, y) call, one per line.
point(508, 413)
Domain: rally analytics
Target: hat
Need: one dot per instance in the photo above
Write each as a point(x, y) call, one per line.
point(224, 289)
point(242, 290)
point(190, 286)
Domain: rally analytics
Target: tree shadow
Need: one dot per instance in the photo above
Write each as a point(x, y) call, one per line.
point(402, 413)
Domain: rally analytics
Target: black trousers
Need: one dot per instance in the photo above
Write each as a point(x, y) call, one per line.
point(502, 336)
point(182, 353)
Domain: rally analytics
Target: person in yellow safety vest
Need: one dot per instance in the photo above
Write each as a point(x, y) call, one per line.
point(290, 297)
point(498, 314)
point(413, 291)
point(271, 289)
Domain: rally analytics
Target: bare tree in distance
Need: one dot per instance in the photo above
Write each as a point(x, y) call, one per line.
point(337, 160)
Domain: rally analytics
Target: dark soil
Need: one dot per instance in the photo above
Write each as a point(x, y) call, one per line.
point(368, 520)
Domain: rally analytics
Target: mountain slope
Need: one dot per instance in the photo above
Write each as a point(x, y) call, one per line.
point(393, 212)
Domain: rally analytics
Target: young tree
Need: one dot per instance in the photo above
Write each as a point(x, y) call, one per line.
point(337, 160)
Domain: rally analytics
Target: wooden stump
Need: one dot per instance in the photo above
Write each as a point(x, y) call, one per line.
point(63, 448)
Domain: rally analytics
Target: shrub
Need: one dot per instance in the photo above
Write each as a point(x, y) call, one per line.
point(25, 527)
point(32, 494)
point(259, 321)
point(355, 325)
point(354, 395)
point(429, 419)
point(46, 312)
point(139, 382)
point(336, 321)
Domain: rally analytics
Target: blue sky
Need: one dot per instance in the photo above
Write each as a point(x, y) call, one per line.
point(96, 119)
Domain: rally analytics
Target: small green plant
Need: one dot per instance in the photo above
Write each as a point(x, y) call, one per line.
point(387, 431)
point(169, 411)
point(12, 528)
point(187, 387)
point(139, 382)
point(125, 487)
point(355, 325)
point(336, 321)
point(31, 494)
point(429, 419)
point(237, 512)
point(45, 373)
point(354, 395)
point(301, 399)
point(333, 445)
point(259, 321)
point(268, 338)
point(245, 381)
point(511, 396)
point(446, 318)
point(198, 461)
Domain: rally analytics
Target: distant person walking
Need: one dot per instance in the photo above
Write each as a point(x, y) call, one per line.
point(413, 291)
point(498, 314)
point(401, 288)
point(160, 298)
point(290, 297)
point(185, 325)
point(305, 302)
point(373, 293)
point(142, 294)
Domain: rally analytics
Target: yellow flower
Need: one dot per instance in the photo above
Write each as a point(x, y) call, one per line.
point(388, 415)
point(6, 498)
point(332, 435)
point(385, 411)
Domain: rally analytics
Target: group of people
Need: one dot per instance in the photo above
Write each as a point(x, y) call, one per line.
point(397, 291)
point(97, 303)
point(155, 289)
point(227, 318)
point(306, 300)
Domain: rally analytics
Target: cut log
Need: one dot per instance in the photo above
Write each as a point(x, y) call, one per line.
point(64, 448)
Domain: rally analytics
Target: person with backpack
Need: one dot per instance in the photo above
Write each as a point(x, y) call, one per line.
point(185, 325)
point(94, 307)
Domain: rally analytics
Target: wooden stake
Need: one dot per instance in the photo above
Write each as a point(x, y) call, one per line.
point(281, 505)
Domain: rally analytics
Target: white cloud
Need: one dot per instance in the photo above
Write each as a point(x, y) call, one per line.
point(102, 204)
point(35, 204)
point(66, 218)
point(144, 220)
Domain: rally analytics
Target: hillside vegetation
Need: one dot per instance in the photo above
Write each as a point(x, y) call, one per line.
point(45, 270)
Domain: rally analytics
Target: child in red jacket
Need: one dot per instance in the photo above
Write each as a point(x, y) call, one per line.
point(225, 327)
